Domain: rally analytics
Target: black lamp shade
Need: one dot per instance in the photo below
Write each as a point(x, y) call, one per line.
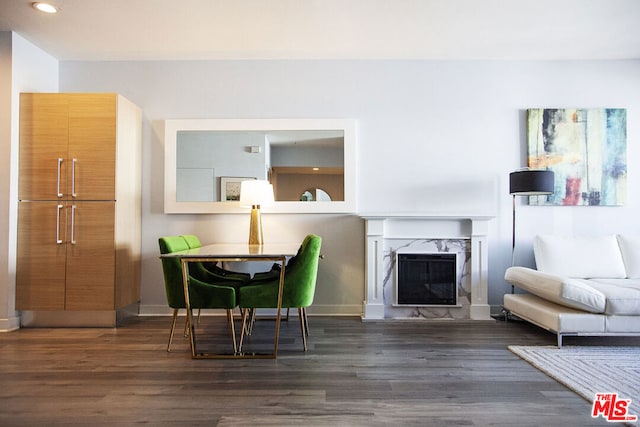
point(531, 182)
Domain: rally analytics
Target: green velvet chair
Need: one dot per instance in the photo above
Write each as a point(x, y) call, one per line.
point(211, 295)
point(299, 287)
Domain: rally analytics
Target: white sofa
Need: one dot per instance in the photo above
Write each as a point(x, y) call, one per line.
point(582, 286)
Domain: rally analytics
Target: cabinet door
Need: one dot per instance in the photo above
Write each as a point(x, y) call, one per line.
point(92, 146)
point(43, 146)
point(40, 275)
point(90, 256)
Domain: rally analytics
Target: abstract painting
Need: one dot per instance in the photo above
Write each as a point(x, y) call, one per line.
point(587, 151)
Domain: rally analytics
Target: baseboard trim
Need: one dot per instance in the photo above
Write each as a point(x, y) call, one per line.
point(77, 319)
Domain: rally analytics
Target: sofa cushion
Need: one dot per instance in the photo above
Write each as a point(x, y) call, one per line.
point(579, 257)
point(630, 249)
point(623, 295)
point(623, 324)
point(575, 293)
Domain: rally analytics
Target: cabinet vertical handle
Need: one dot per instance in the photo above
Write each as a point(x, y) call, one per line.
point(59, 167)
point(73, 224)
point(58, 239)
point(73, 177)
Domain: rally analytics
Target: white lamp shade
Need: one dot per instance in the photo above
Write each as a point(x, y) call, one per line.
point(256, 192)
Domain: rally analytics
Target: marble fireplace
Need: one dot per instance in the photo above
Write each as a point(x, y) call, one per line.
point(466, 236)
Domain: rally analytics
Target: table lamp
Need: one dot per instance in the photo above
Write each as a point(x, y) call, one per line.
point(527, 182)
point(256, 193)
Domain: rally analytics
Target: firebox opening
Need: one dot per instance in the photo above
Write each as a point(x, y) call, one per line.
point(426, 279)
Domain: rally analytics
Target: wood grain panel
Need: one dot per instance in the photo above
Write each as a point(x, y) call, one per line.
point(43, 140)
point(90, 256)
point(92, 142)
point(40, 275)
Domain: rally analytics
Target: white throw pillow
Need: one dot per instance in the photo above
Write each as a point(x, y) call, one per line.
point(579, 257)
point(630, 248)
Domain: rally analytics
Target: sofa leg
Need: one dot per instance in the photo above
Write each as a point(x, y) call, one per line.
point(503, 316)
point(559, 340)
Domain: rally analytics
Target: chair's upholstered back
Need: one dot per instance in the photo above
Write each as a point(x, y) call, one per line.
point(299, 282)
point(172, 270)
point(202, 295)
point(192, 241)
point(302, 272)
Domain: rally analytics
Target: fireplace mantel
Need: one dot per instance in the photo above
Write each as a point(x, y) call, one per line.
point(382, 229)
point(435, 215)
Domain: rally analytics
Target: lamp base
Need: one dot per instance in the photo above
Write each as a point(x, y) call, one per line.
point(255, 227)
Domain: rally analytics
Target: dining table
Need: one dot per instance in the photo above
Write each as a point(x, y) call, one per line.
point(234, 252)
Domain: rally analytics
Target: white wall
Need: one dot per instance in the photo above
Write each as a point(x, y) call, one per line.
point(23, 68)
point(432, 136)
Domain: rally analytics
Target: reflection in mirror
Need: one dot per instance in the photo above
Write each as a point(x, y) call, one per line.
point(290, 182)
point(291, 160)
point(315, 194)
point(204, 159)
point(210, 165)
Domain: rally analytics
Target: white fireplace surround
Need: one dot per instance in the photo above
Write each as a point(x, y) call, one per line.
point(383, 228)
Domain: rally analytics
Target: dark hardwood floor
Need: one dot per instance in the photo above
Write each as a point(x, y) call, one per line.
point(392, 373)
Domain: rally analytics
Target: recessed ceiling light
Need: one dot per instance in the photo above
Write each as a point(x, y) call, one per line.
point(45, 7)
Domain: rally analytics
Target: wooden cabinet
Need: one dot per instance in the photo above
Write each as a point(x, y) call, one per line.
point(40, 277)
point(67, 146)
point(66, 256)
point(79, 203)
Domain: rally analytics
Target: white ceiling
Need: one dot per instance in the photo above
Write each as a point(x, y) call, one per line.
point(330, 29)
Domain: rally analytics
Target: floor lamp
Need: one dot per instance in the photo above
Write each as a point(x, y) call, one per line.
point(527, 182)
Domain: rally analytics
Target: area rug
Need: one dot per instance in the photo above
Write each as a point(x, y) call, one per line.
point(590, 370)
